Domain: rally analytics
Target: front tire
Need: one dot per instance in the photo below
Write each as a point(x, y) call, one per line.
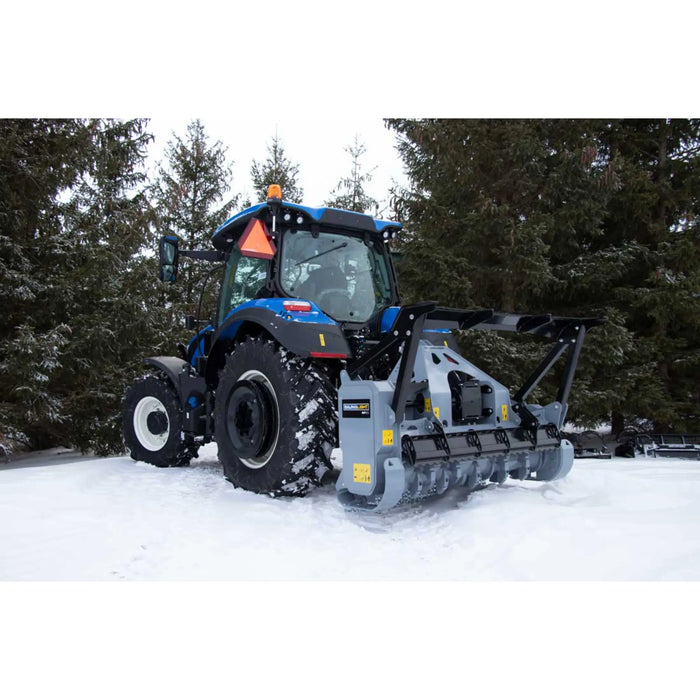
point(152, 424)
point(275, 420)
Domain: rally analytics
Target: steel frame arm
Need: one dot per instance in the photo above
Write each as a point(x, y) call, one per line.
point(407, 324)
point(406, 329)
point(412, 320)
point(571, 339)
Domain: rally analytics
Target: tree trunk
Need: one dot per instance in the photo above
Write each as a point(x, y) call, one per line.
point(617, 423)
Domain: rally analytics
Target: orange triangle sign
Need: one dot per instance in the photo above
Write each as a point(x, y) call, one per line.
point(256, 241)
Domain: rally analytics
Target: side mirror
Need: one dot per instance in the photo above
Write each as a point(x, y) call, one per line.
point(168, 251)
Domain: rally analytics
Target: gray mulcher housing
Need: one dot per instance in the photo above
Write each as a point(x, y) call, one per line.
point(447, 423)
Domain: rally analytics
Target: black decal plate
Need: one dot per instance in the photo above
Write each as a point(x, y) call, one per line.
point(356, 408)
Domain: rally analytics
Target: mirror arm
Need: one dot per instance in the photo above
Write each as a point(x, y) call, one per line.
point(211, 255)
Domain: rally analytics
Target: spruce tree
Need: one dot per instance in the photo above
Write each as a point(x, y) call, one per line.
point(576, 217)
point(276, 169)
point(75, 218)
point(350, 192)
point(114, 326)
point(40, 159)
point(488, 202)
point(654, 216)
point(190, 200)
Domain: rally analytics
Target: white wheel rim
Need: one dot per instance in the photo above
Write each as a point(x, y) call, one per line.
point(149, 440)
point(253, 375)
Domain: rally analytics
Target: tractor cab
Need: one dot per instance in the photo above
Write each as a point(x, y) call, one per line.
point(337, 261)
point(346, 277)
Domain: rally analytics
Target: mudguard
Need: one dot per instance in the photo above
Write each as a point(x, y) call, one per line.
point(172, 366)
point(191, 389)
point(304, 333)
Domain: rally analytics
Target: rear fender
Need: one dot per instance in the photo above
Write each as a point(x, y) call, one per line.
point(173, 367)
point(306, 334)
point(191, 389)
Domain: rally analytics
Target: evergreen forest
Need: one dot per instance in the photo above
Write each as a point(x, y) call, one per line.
point(576, 217)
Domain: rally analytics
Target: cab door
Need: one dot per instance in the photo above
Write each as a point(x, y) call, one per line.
point(245, 279)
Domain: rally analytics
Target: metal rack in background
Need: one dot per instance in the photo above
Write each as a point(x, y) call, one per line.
point(630, 442)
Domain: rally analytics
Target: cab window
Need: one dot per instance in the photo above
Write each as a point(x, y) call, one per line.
point(346, 276)
point(244, 280)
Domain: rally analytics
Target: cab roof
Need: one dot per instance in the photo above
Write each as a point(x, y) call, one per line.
point(328, 216)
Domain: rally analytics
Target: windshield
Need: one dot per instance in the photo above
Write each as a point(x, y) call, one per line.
point(345, 276)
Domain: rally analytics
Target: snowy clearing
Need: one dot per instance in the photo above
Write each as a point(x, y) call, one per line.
point(67, 517)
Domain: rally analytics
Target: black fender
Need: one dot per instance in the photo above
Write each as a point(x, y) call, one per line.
point(303, 338)
point(172, 366)
point(192, 389)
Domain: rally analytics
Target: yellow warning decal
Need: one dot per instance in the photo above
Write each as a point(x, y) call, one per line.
point(427, 405)
point(504, 411)
point(362, 473)
point(436, 411)
point(387, 437)
point(322, 339)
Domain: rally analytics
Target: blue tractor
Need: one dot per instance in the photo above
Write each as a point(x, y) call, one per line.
point(311, 349)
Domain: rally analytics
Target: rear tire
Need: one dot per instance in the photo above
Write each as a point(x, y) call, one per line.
point(152, 424)
point(275, 420)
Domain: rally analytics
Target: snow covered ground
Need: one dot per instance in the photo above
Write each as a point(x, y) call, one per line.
point(67, 517)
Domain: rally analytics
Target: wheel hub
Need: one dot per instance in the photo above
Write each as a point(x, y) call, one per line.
point(151, 424)
point(251, 422)
point(157, 422)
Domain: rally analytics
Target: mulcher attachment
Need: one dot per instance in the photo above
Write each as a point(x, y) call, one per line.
point(439, 422)
point(631, 442)
point(588, 445)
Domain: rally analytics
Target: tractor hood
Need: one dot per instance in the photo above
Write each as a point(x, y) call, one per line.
point(296, 214)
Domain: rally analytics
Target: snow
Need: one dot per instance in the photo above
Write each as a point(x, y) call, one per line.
point(308, 410)
point(68, 517)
